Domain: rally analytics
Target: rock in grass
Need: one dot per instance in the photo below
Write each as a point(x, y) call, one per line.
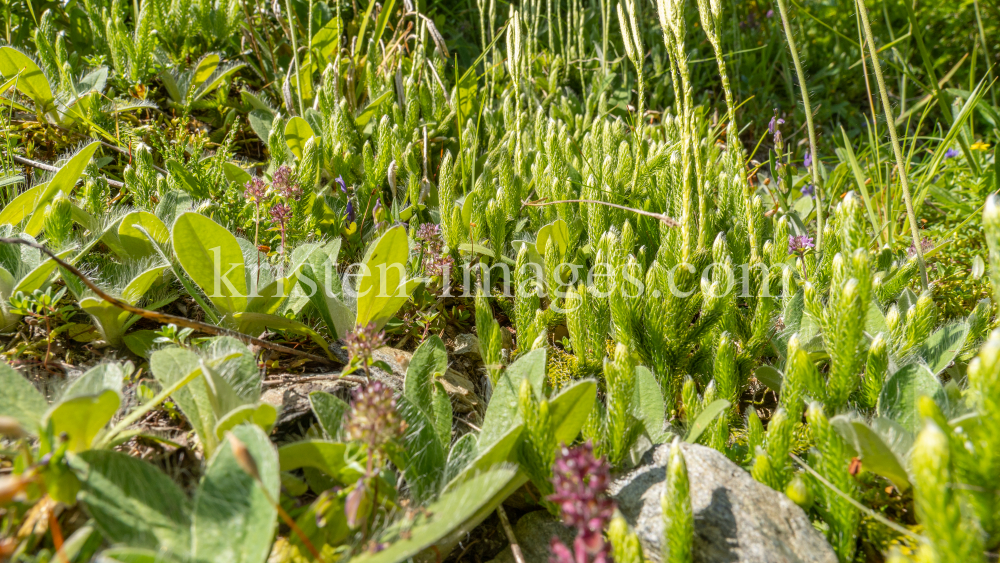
point(534, 531)
point(736, 519)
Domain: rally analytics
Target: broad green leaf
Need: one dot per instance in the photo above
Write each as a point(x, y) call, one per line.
point(770, 376)
point(371, 109)
point(382, 284)
point(217, 78)
point(906, 300)
point(329, 411)
point(98, 379)
point(31, 81)
point(902, 390)
point(319, 281)
point(876, 456)
point(442, 414)
point(429, 359)
point(63, 181)
point(327, 39)
point(171, 365)
point(21, 206)
point(82, 418)
point(875, 320)
point(235, 174)
point(39, 277)
point(570, 409)
point(503, 450)
point(257, 322)
point(210, 254)
point(462, 453)
point(206, 68)
point(19, 399)
point(262, 414)
point(261, 122)
point(421, 456)
point(328, 457)
point(140, 342)
point(297, 132)
point(941, 347)
point(233, 519)
point(651, 408)
point(502, 414)
point(138, 287)
point(132, 502)
point(558, 231)
point(449, 518)
point(133, 241)
point(706, 417)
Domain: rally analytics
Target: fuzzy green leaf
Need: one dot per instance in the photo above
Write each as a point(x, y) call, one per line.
point(329, 411)
point(233, 519)
point(941, 347)
point(210, 254)
point(82, 418)
point(20, 399)
point(133, 241)
point(448, 519)
point(651, 409)
point(502, 414)
point(901, 392)
point(132, 502)
point(708, 414)
point(429, 359)
point(297, 132)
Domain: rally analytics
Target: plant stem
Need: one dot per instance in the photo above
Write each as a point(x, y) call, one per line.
point(807, 107)
point(295, 54)
point(891, 124)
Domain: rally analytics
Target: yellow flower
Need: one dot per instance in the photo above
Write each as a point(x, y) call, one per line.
point(979, 146)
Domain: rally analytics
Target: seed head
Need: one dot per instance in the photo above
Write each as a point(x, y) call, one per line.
point(363, 341)
point(243, 457)
point(373, 418)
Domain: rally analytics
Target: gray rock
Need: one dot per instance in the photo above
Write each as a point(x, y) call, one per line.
point(736, 519)
point(534, 531)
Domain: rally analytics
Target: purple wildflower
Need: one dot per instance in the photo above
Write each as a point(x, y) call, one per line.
point(285, 184)
point(808, 160)
point(281, 213)
point(581, 484)
point(435, 261)
point(343, 186)
point(951, 153)
point(809, 190)
point(373, 418)
point(256, 190)
point(350, 212)
point(925, 245)
point(769, 14)
point(775, 122)
point(798, 244)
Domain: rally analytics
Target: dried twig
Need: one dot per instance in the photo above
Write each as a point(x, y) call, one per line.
point(50, 168)
point(514, 548)
point(165, 318)
point(667, 220)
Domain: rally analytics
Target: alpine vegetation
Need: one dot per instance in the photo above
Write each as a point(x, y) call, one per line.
point(417, 280)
